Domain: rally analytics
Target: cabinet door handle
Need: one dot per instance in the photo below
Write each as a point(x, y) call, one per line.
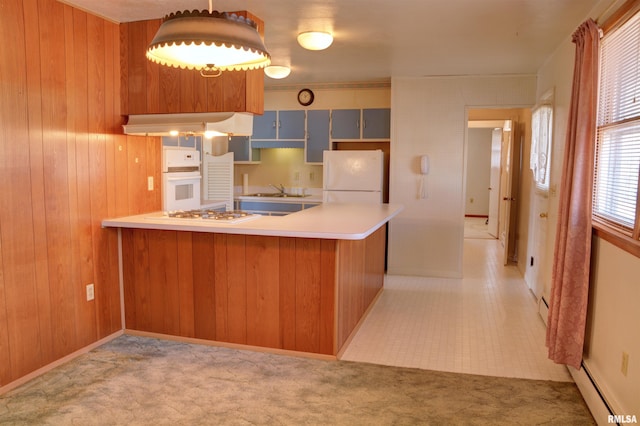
point(274, 124)
point(358, 124)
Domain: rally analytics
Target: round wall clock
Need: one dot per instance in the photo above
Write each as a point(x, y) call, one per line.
point(305, 97)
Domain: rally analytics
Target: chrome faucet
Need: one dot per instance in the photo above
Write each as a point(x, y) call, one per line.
point(280, 188)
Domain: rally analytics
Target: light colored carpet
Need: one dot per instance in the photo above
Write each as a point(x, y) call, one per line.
point(143, 381)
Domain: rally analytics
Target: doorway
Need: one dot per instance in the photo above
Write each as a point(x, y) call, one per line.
point(503, 182)
point(484, 145)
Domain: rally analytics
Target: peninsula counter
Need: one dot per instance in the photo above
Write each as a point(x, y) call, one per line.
point(300, 282)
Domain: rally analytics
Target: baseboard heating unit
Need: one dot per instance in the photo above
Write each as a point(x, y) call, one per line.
point(591, 393)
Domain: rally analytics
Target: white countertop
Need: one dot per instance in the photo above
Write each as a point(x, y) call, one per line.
point(347, 221)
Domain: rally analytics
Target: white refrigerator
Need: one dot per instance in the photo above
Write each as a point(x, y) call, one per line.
point(352, 176)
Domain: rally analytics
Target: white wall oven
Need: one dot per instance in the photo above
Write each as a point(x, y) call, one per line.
point(181, 179)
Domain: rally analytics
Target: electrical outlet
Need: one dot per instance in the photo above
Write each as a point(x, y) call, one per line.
point(150, 183)
point(311, 176)
point(625, 363)
point(90, 292)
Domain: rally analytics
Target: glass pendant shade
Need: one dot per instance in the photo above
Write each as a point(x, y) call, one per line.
point(208, 40)
point(315, 40)
point(277, 71)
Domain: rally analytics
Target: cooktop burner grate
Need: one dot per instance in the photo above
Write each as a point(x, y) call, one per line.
point(234, 216)
point(208, 214)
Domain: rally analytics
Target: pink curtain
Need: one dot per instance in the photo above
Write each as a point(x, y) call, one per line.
point(570, 275)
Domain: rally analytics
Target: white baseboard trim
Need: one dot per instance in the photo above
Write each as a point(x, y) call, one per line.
point(543, 310)
point(591, 395)
point(24, 379)
point(587, 387)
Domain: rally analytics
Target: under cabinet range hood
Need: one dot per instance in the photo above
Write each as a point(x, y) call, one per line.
point(205, 123)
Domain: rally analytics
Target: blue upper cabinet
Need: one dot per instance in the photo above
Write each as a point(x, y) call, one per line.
point(265, 126)
point(242, 150)
point(279, 129)
point(376, 123)
point(279, 125)
point(345, 124)
point(373, 123)
point(317, 135)
point(291, 124)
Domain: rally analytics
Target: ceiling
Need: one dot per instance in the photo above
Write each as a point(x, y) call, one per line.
point(376, 39)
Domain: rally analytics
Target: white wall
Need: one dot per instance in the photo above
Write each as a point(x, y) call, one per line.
point(428, 116)
point(614, 326)
point(331, 96)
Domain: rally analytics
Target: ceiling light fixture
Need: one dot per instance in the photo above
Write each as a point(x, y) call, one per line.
point(315, 40)
point(277, 71)
point(209, 41)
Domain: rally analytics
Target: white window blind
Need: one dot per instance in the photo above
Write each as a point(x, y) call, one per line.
point(615, 198)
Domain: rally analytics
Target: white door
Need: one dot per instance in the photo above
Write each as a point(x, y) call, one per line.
point(508, 190)
point(536, 247)
point(494, 182)
point(540, 160)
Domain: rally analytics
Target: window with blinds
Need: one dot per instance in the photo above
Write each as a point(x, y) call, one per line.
point(617, 169)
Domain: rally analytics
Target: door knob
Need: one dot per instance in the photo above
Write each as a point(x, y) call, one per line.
point(543, 215)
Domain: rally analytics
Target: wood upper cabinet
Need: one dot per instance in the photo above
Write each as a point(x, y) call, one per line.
point(149, 88)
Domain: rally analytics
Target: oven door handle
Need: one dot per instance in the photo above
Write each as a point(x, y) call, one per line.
point(174, 179)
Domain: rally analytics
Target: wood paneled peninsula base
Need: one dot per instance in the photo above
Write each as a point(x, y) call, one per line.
point(302, 291)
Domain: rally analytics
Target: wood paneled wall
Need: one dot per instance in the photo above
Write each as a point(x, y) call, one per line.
point(64, 166)
point(272, 292)
point(149, 88)
point(360, 273)
point(301, 294)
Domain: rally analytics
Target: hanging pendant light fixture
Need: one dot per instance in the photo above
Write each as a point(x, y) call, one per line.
point(209, 41)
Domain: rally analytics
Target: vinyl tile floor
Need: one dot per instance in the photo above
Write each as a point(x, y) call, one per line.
point(486, 323)
point(477, 227)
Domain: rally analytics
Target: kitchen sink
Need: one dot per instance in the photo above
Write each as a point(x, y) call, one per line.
point(276, 194)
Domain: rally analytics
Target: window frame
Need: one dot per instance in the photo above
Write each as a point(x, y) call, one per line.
point(608, 232)
point(546, 103)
